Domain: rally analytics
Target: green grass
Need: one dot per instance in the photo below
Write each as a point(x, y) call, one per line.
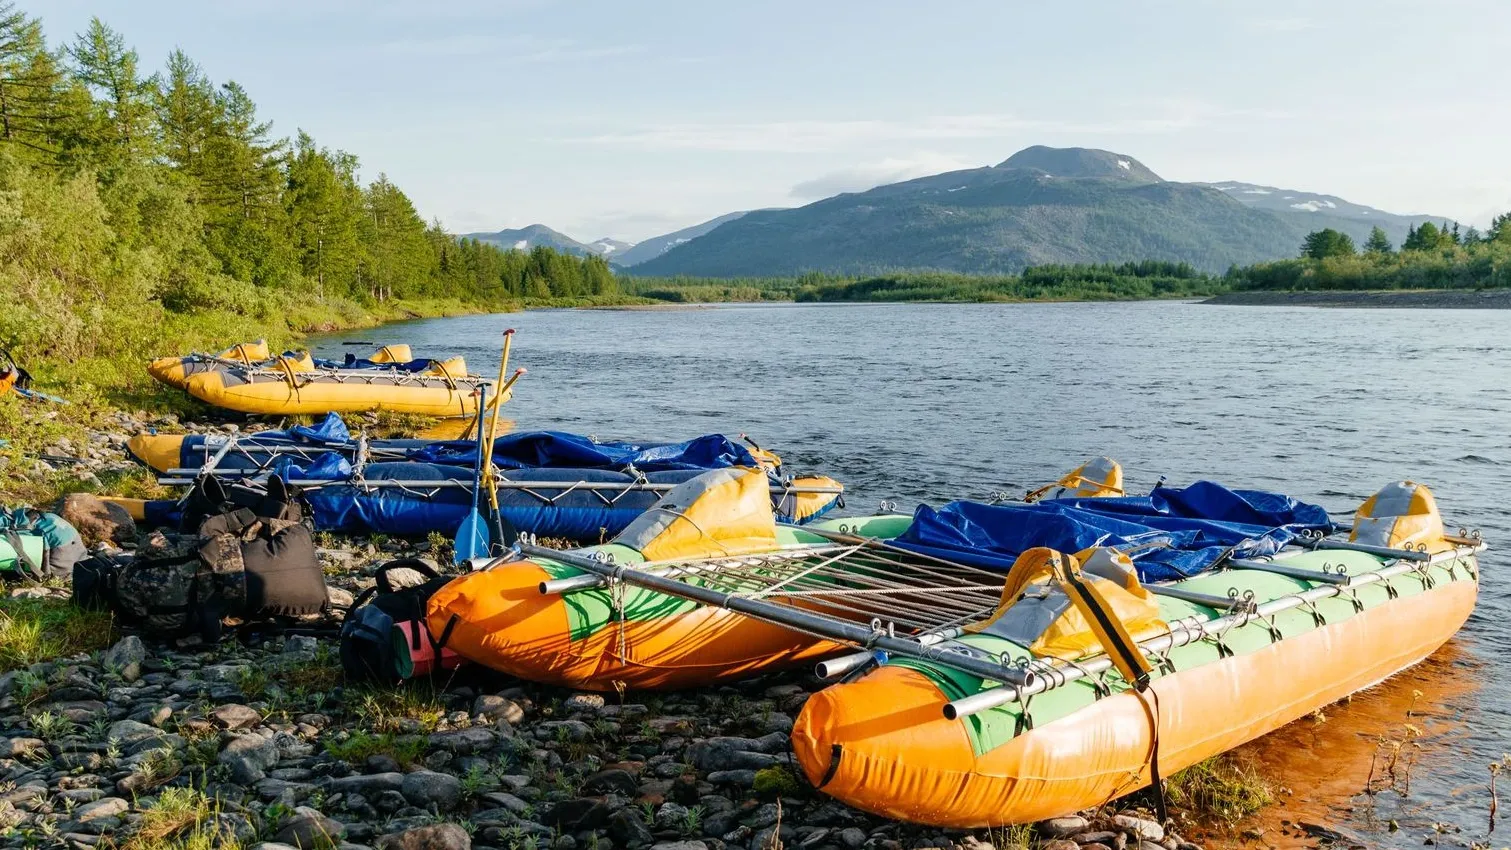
point(180, 819)
point(361, 745)
point(33, 630)
point(1220, 791)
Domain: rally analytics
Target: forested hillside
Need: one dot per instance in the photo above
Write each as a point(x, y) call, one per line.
point(144, 209)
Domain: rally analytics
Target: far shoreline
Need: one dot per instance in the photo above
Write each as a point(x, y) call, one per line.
point(1448, 299)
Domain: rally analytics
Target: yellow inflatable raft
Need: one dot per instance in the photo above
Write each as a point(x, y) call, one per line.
point(294, 385)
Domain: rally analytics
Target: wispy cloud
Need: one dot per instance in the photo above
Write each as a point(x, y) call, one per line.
point(1279, 25)
point(514, 48)
point(872, 174)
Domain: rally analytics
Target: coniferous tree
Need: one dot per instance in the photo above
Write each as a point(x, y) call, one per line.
point(120, 127)
point(32, 87)
point(1378, 242)
point(1321, 244)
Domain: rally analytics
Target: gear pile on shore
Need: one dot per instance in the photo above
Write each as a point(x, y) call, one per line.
point(257, 742)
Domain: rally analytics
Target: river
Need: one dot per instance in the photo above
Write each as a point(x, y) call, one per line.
point(929, 403)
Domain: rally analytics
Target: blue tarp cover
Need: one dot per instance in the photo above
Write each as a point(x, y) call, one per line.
point(1199, 523)
point(549, 449)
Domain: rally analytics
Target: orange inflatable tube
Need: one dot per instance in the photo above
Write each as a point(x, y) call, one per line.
point(881, 743)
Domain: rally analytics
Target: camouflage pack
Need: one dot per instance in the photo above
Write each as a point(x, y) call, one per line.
point(240, 567)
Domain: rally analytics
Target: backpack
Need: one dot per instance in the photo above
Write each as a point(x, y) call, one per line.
point(241, 566)
point(385, 639)
point(212, 497)
point(38, 545)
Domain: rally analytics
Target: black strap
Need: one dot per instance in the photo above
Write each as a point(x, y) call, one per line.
point(24, 564)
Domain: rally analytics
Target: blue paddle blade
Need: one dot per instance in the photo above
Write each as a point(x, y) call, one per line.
point(471, 539)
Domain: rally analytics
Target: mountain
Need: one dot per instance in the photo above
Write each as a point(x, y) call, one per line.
point(657, 245)
point(525, 238)
point(1322, 210)
point(609, 248)
point(1041, 205)
point(1081, 163)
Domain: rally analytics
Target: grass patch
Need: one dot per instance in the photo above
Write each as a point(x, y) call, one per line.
point(181, 819)
point(360, 746)
point(1220, 791)
point(386, 709)
point(33, 630)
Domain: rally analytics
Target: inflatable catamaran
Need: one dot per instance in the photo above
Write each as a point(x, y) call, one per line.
point(551, 483)
point(249, 378)
point(997, 663)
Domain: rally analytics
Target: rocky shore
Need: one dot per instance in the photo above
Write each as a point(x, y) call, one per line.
point(257, 742)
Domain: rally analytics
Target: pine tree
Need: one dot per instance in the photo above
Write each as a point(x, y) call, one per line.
point(1378, 242)
point(31, 88)
point(185, 102)
point(1321, 244)
point(325, 211)
point(1424, 238)
point(123, 119)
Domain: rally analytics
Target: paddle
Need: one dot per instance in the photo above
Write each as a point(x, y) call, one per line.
point(504, 534)
point(472, 534)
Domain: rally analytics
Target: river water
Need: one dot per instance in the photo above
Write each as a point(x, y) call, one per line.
point(929, 403)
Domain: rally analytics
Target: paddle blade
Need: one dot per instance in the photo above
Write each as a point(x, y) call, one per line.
point(471, 538)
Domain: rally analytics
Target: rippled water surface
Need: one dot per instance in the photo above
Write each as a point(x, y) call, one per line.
point(934, 402)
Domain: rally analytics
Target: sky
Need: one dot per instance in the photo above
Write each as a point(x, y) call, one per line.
point(633, 119)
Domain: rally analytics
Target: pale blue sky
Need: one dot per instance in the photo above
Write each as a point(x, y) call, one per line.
point(629, 119)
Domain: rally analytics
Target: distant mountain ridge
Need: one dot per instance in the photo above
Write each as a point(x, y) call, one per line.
point(1297, 202)
point(1040, 206)
point(657, 245)
point(525, 238)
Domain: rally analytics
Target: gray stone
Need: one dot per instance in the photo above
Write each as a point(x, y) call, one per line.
point(680, 845)
point(428, 789)
point(368, 783)
point(506, 801)
point(22, 748)
point(301, 645)
point(1058, 844)
point(441, 836)
point(726, 753)
point(1061, 827)
point(583, 702)
point(108, 807)
point(496, 707)
point(464, 741)
point(234, 717)
point(1102, 837)
point(739, 778)
point(579, 814)
point(249, 757)
point(628, 829)
point(572, 730)
point(1139, 827)
point(852, 837)
point(308, 829)
point(126, 656)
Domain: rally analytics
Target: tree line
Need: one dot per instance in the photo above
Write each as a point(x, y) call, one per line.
point(1431, 256)
point(128, 192)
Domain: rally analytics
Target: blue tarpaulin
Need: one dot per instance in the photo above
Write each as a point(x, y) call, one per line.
point(545, 449)
point(1197, 525)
